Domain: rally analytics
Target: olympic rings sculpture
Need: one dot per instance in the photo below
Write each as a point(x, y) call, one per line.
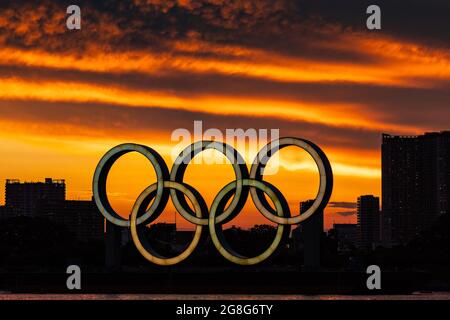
point(171, 185)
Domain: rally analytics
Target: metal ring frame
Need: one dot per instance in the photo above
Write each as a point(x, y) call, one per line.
point(172, 185)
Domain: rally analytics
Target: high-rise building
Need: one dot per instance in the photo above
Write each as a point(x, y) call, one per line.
point(23, 197)
point(347, 235)
point(113, 246)
point(415, 183)
point(309, 234)
point(3, 213)
point(81, 218)
point(368, 226)
point(48, 199)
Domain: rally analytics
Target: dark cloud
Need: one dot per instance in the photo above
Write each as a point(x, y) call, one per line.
point(411, 106)
point(424, 21)
point(344, 205)
point(346, 213)
point(95, 119)
point(289, 27)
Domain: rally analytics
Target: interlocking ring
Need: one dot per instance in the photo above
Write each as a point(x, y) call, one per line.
point(172, 185)
point(221, 200)
point(325, 172)
point(141, 204)
point(101, 174)
point(240, 170)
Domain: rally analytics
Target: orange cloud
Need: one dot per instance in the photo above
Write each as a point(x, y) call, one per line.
point(42, 135)
point(393, 66)
point(337, 115)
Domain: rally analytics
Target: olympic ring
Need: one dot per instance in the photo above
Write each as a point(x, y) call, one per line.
point(219, 240)
point(172, 185)
point(240, 170)
point(141, 203)
point(101, 174)
point(325, 172)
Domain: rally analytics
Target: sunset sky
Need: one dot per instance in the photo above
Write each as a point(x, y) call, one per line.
point(139, 69)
